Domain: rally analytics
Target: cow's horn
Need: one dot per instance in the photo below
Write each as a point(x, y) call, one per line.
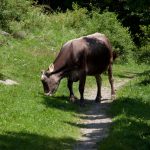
point(51, 67)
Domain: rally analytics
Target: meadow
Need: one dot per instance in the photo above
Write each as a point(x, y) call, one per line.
point(30, 120)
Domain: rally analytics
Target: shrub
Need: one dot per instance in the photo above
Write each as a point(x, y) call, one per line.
point(60, 27)
point(13, 10)
point(83, 22)
point(80, 22)
point(76, 18)
point(119, 36)
point(144, 54)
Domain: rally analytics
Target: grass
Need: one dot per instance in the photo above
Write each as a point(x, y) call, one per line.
point(131, 116)
point(28, 119)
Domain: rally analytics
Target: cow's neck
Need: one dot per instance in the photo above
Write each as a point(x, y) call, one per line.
point(61, 66)
point(62, 70)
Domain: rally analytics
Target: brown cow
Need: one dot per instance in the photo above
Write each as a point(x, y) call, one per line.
point(88, 55)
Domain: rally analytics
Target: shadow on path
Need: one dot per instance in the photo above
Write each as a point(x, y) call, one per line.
point(94, 125)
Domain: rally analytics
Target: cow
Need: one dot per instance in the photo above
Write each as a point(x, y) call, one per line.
point(89, 55)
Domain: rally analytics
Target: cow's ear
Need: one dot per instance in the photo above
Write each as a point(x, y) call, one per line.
point(51, 68)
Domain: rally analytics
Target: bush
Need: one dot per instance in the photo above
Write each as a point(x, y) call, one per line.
point(144, 54)
point(60, 27)
point(84, 22)
point(13, 10)
point(77, 18)
point(119, 36)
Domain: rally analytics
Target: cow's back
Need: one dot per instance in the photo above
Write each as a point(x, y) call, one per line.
point(90, 53)
point(94, 53)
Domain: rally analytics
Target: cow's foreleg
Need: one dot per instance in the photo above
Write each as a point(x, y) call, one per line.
point(72, 98)
point(81, 89)
point(99, 84)
point(111, 81)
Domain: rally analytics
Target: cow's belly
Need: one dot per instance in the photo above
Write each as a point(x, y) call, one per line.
point(91, 69)
point(97, 63)
point(96, 69)
point(74, 75)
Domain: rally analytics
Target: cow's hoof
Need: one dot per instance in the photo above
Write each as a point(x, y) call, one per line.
point(72, 98)
point(98, 100)
point(113, 97)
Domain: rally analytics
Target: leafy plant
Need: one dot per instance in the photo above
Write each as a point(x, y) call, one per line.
point(144, 54)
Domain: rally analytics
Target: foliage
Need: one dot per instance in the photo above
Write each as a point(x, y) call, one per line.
point(144, 54)
point(108, 24)
point(131, 13)
point(80, 23)
point(145, 40)
point(139, 4)
point(8, 11)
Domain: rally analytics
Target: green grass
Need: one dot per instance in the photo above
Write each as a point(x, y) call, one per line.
point(28, 119)
point(131, 116)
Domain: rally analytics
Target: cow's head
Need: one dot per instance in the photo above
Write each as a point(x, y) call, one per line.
point(50, 81)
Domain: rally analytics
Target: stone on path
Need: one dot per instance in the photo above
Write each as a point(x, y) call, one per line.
point(8, 82)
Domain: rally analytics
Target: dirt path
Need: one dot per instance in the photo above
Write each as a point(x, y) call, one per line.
point(95, 122)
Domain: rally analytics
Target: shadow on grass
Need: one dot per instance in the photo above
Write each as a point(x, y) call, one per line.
point(131, 75)
point(59, 102)
point(128, 75)
point(28, 141)
point(128, 133)
point(131, 107)
point(146, 80)
point(147, 72)
point(130, 129)
point(3, 77)
point(63, 103)
point(135, 106)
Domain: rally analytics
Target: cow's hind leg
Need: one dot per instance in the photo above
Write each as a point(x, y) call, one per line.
point(111, 81)
point(99, 84)
point(72, 98)
point(81, 89)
